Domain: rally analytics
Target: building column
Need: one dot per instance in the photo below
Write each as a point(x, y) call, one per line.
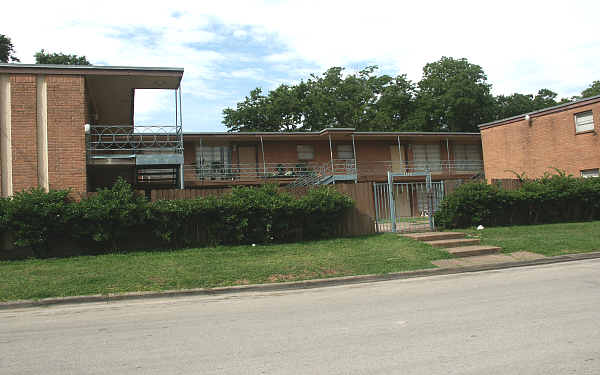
point(42, 132)
point(5, 137)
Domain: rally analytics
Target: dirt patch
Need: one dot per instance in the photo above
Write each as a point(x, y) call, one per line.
point(241, 282)
point(303, 276)
point(329, 272)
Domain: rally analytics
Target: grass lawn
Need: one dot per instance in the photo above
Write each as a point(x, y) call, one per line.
point(212, 267)
point(548, 239)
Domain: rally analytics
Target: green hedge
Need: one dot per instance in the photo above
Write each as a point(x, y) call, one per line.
point(119, 219)
point(550, 199)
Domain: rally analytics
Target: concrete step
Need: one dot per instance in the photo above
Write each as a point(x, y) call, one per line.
point(457, 242)
point(434, 236)
point(473, 250)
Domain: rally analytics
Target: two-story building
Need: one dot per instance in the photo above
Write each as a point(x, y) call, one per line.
point(69, 126)
point(563, 137)
point(332, 155)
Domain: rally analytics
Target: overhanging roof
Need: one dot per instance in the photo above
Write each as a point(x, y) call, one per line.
point(335, 133)
point(110, 88)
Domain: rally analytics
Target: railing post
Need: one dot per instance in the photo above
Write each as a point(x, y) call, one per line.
point(391, 199)
point(355, 160)
point(262, 146)
point(331, 158)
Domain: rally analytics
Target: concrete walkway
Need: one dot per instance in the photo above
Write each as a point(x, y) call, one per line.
point(480, 260)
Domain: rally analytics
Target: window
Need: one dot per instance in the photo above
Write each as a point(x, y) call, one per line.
point(427, 156)
point(467, 157)
point(345, 152)
point(584, 121)
point(587, 173)
point(213, 162)
point(305, 152)
point(208, 155)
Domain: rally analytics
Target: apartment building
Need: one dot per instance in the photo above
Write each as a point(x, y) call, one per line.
point(564, 137)
point(72, 127)
point(333, 155)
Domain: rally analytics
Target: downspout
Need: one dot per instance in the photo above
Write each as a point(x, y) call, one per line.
point(355, 160)
point(262, 147)
point(331, 158)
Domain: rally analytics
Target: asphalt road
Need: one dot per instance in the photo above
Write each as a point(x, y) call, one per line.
point(533, 320)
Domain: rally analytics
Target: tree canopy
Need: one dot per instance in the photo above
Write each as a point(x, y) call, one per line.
point(453, 95)
point(362, 100)
point(592, 90)
point(44, 57)
point(7, 50)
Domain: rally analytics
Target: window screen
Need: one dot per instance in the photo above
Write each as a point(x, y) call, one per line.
point(584, 121)
point(213, 154)
point(305, 152)
point(467, 152)
point(345, 152)
point(427, 156)
point(590, 173)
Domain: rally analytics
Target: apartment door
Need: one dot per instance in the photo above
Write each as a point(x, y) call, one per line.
point(397, 159)
point(247, 162)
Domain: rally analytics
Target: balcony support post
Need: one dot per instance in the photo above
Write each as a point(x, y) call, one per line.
point(401, 161)
point(262, 147)
point(448, 153)
point(331, 158)
point(355, 160)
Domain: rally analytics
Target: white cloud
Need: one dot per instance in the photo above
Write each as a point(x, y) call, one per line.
point(522, 45)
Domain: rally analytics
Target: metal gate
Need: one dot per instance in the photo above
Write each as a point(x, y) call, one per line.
point(407, 206)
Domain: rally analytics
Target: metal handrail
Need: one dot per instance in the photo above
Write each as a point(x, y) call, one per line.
point(135, 139)
point(312, 173)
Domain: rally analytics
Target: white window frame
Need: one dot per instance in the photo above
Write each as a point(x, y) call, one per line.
point(584, 121)
point(305, 152)
point(590, 173)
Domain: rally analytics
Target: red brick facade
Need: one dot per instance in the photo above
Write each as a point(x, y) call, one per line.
point(548, 140)
point(66, 134)
point(23, 130)
point(67, 110)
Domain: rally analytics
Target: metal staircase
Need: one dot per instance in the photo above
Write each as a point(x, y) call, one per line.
point(325, 175)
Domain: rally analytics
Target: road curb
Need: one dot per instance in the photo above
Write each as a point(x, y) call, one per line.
point(306, 284)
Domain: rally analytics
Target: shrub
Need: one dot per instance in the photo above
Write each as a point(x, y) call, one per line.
point(109, 216)
point(37, 218)
point(119, 218)
point(550, 199)
point(248, 215)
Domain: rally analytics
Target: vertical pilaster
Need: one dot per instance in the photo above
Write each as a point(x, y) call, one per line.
point(42, 131)
point(5, 136)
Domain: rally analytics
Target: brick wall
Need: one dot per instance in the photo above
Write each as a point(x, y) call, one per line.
point(549, 141)
point(23, 129)
point(66, 135)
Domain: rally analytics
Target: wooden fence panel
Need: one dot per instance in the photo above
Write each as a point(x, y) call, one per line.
point(362, 193)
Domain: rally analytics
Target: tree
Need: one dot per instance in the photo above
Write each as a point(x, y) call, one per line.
point(592, 90)
point(453, 96)
point(7, 50)
point(518, 104)
point(362, 100)
point(43, 57)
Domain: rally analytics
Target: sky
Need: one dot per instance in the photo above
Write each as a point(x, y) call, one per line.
point(228, 48)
